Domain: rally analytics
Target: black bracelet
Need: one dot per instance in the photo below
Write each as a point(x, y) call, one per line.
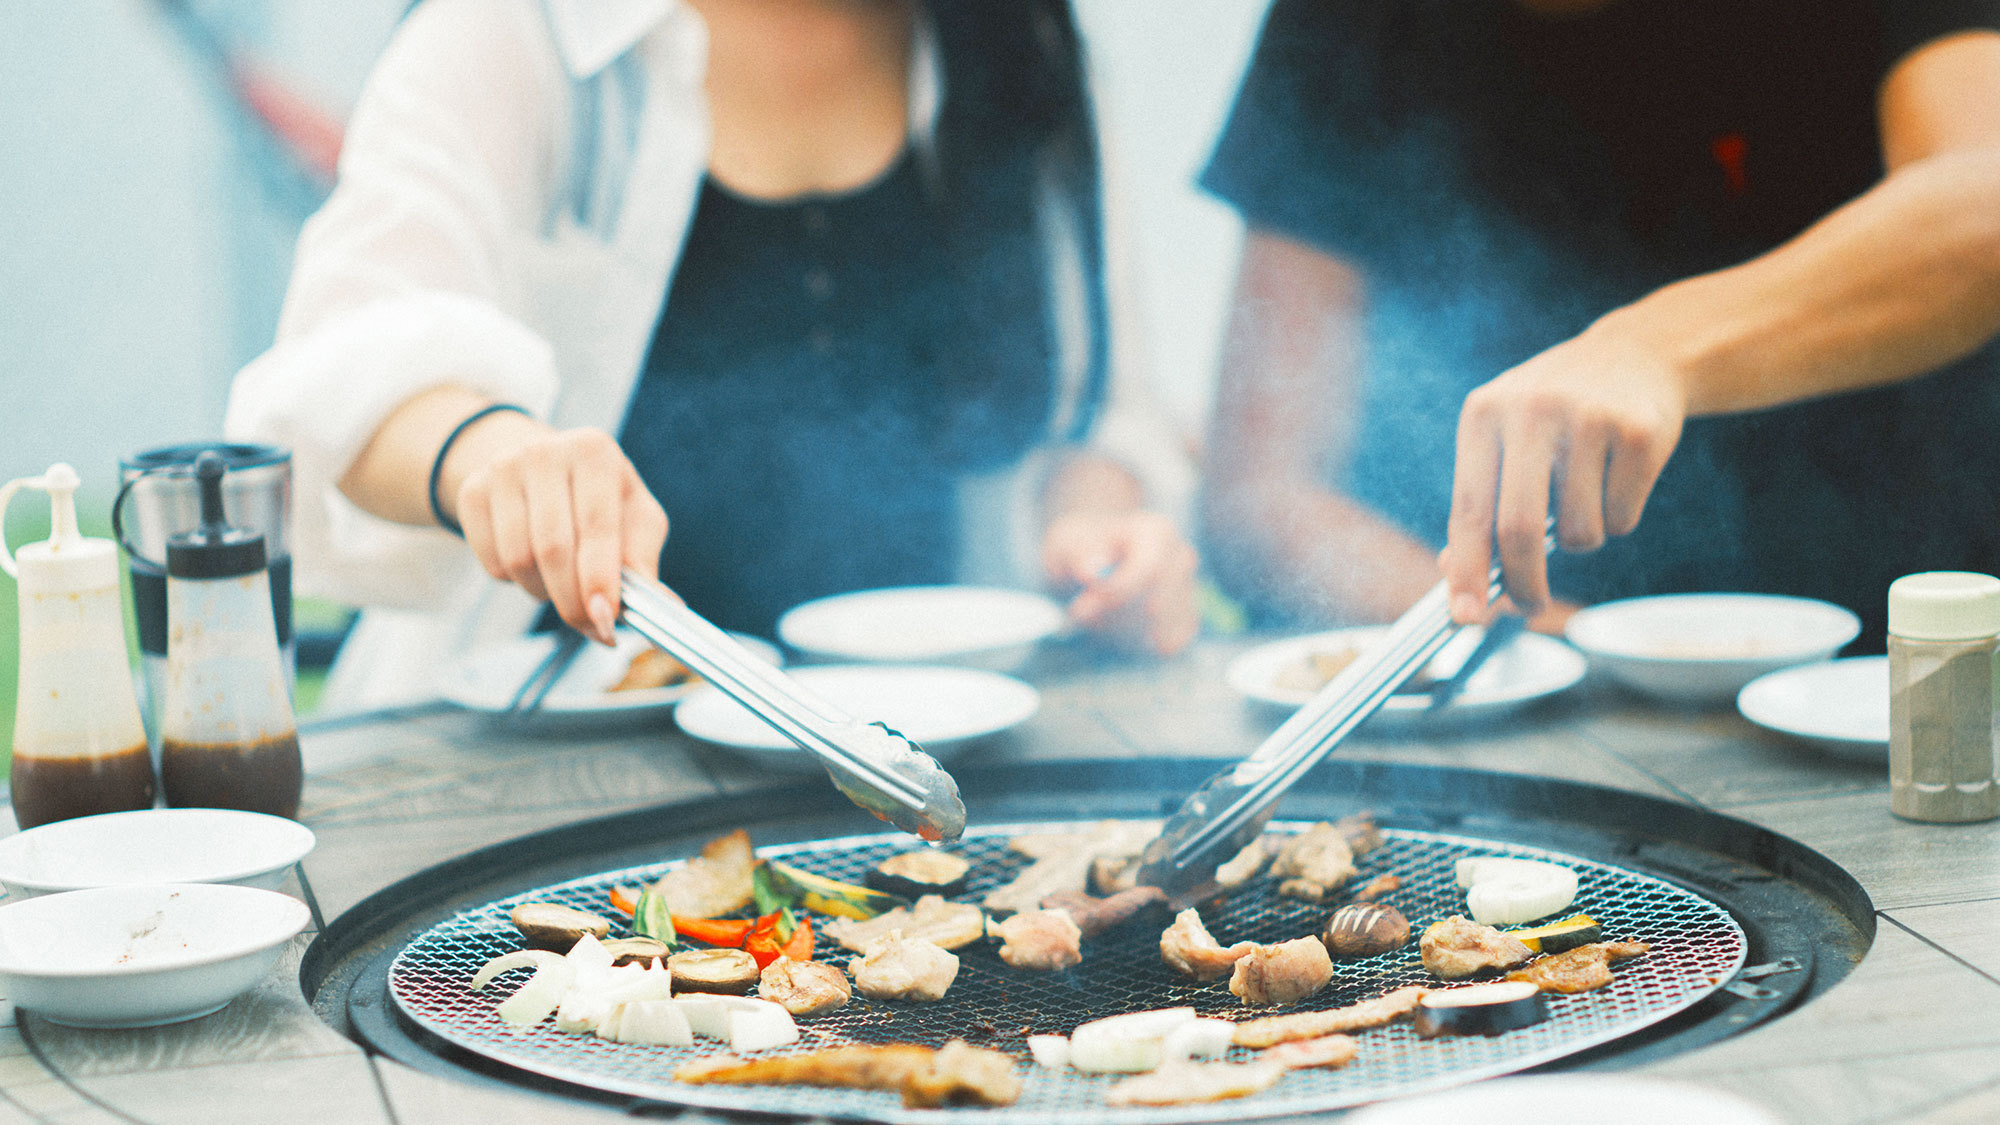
point(437, 466)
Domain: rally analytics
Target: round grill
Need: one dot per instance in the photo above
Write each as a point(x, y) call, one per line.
point(1696, 947)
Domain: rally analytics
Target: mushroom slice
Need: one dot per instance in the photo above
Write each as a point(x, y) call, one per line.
point(552, 926)
point(730, 971)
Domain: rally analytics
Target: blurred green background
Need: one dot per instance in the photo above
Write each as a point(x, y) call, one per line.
point(28, 522)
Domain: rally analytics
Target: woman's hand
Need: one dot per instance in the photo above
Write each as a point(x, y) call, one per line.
point(557, 512)
point(1134, 573)
point(1586, 426)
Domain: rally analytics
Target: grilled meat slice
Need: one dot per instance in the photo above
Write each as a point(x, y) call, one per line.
point(1459, 947)
point(1360, 831)
point(1375, 888)
point(1384, 1009)
point(900, 968)
point(1183, 1082)
point(1063, 862)
point(1040, 940)
point(1314, 864)
point(1187, 947)
point(1580, 969)
point(1281, 974)
point(960, 1074)
point(804, 988)
point(1095, 915)
point(944, 924)
point(1300, 1054)
point(956, 1073)
point(712, 884)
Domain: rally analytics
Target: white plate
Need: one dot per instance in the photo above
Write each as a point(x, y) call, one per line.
point(144, 954)
point(1536, 1099)
point(1702, 648)
point(982, 626)
point(1841, 706)
point(154, 846)
point(1532, 667)
point(487, 680)
point(938, 707)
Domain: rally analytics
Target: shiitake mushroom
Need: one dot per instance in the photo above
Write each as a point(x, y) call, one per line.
point(926, 871)
point(730, 971)
point(640, 950)
point(552, 926)
point(1364, 929)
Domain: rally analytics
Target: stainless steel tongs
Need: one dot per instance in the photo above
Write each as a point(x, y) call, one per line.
point(1231, 808)
point(876, 767)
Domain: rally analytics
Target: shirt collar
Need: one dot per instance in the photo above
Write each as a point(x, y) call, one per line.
point(591, 33)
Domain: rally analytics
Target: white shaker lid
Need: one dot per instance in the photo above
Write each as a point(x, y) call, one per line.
point(67, 562)
point(1944, 605)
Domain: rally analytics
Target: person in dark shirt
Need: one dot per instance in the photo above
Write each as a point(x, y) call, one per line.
point(1727, 263)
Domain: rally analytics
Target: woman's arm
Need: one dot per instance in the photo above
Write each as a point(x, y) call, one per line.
point(1285, 402)
point(1903, 279)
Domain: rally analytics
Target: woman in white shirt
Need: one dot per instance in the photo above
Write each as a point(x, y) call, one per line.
point(833, 272)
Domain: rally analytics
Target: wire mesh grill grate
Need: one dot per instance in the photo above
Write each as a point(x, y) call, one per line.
point(1696, 947)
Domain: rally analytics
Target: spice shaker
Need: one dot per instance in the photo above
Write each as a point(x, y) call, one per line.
point(79, 747)
point(228, 738)
point(1944, 632)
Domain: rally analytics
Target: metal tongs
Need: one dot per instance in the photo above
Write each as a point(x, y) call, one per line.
point(1231, 808)
point(876, 767)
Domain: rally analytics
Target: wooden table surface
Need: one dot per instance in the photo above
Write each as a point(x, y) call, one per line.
point(1913, 1034)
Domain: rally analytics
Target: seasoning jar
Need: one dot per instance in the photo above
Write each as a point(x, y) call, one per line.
point(79, 747)
point(228, 738)
point(1944, 632)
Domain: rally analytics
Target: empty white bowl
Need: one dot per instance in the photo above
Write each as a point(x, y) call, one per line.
point(154, 846)
point(1702, 648)
point(137, 956)
point(988, 627)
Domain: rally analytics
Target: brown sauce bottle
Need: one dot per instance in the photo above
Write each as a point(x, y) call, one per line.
point(58, 788)
point(263, 776)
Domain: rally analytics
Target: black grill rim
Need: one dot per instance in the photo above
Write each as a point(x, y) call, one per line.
point(1791, 900)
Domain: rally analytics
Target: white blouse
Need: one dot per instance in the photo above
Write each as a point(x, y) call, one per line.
point(514, 190)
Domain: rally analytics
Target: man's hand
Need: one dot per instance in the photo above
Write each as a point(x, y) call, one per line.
point(1586, 426)
point(1134, 572)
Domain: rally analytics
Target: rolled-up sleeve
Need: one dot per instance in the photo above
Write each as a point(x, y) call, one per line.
point(410, 279)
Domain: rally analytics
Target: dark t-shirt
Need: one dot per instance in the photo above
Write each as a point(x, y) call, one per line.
point(1503, 178)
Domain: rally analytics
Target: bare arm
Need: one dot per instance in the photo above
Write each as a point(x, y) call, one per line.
point(1896, 283)
point(557, 511)
point(1285, 401)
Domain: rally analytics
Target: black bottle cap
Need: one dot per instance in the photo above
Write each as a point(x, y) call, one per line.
point(214, 550)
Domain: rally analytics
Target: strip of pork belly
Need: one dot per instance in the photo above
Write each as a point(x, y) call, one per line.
point(1095, 915)
point(1332, 1051)
point(1181, 1083)
point(1190, 950)
point(957, 1073)
point(1384, 1009)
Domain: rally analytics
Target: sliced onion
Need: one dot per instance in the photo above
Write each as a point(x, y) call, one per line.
point(654, 1023)
point(1504, 891)
point(1198, 1039)
point(1125, 1044)
point(757, 1025)
point(519, 959)
point(534, 1001)
point(1051, 1051)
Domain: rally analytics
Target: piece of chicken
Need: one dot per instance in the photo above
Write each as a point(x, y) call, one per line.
point(714, 883)
point(1580, 969)
point(1040, 940)
point(1315, 863)
point(900, 968)
point(1063, 862)
point(945, 924)
point(1459, 947)
point(1281, 974)
point(804, 988)
point(1188, 948)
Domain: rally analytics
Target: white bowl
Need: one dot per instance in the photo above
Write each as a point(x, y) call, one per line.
point(1702, 648)
point(987, 627)
point(137, 956)
point(154, 846)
